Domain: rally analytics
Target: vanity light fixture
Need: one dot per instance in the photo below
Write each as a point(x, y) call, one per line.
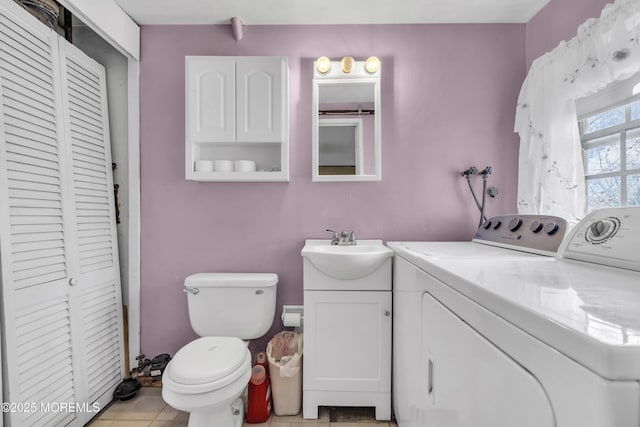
point(323, 65)
point(347, 64)
point(372, 64)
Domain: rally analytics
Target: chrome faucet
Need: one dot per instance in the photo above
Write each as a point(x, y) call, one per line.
point(345, 238)
point(334, 238)
point(352, 238)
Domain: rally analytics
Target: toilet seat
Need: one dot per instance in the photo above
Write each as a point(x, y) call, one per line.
point(207, 364)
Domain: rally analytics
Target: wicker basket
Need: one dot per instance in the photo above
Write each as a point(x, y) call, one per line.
point(46, 11)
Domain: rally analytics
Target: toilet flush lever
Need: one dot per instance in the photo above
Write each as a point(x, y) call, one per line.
point(194, 291)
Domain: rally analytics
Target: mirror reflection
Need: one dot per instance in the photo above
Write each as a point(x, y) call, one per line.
point(341, 151)
point(346, 126)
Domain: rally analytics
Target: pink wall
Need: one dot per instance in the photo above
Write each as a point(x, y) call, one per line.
point(557, 21)
point(449, 94)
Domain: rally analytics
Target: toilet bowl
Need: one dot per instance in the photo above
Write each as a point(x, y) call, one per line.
point(208, 376)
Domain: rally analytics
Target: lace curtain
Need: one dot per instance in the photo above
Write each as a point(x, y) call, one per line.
point(551, 173)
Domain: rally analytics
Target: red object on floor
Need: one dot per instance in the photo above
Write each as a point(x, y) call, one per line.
point(259, 396)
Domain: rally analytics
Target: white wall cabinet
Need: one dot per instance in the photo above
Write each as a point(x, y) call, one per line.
point(237, 109)
point(61, 296)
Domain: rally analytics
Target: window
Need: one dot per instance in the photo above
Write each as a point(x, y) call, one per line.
point(611, 146)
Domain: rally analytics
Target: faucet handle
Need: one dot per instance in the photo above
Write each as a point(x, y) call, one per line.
point(352, 237)
point(334, 238)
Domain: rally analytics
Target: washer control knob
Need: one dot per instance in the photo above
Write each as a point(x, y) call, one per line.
point(536, 226)
point(487, 225)
point(515, 224)
point(551, 228)
point(601, 230)
point(497, 224)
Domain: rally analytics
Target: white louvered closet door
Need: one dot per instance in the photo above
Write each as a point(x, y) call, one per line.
point(61, 297)
point(94, 235)
point(34, 234)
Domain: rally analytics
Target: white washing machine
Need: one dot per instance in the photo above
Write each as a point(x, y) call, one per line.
point(522, 341)
point(503, 237)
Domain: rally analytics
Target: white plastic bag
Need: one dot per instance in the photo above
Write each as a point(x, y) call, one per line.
point(285, 351)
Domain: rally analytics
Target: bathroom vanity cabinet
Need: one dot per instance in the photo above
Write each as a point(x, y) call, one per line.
point(237, 109)
point(347, 341)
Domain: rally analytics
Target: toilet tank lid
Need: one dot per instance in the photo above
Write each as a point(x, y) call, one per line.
point(231, 280)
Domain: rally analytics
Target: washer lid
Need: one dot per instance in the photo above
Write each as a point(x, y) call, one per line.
point(207, 359)
point(588, 312)
point(455, 250)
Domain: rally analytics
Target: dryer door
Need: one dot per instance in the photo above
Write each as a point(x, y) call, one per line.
point(471, 382)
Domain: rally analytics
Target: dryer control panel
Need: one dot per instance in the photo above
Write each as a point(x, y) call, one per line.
point(608, 236)
point(532, 233)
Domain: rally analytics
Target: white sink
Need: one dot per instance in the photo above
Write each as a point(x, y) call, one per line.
point(346, 262)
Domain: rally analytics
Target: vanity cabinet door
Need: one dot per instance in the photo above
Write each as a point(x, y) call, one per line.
point(347, 341)
point(259, 99)
point(211, 99)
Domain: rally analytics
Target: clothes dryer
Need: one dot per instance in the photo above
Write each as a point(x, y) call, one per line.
point(530, 341)
point(507, 237)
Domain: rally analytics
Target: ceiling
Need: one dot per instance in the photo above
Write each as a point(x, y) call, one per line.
point(292, 12)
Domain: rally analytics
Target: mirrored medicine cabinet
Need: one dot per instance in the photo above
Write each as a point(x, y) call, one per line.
point(346, 122)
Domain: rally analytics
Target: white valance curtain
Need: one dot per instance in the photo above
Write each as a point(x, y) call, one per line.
point(551, 174)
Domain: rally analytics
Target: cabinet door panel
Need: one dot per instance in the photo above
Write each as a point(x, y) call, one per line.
point(211, 99)
point(259, 99)
point(470, 382)
point(347, 341)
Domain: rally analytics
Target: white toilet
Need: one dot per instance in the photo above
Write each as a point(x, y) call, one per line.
point(207, 376)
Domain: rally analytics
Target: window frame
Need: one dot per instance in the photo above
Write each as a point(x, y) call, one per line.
point(621, 130)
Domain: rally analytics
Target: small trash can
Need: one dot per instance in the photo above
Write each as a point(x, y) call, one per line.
point(284, 353)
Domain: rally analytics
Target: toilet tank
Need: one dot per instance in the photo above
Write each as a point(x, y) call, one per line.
point(231, 304)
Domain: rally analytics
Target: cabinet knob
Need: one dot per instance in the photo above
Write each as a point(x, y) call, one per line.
point(387, 313)
point(73, 281)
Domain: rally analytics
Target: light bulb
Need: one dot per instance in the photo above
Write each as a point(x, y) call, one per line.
point(323, 65)
point(347, 64)
point(372, 64)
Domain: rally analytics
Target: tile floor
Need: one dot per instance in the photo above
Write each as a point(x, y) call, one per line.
point(148, 409)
